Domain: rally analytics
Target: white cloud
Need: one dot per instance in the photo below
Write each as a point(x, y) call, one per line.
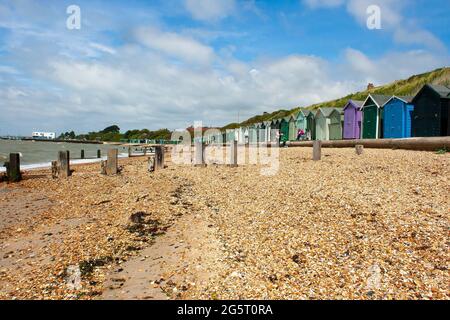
point(414, 36)
point(102, 48)
point(210, 10)
point(323, 3)
point(8, 69)
point(392, 20)
point(391, 66)
point(175, 45)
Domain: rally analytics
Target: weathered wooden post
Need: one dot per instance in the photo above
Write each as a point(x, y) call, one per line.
point(55, 169)
point(129, 152)
point(99, 154)
point(317, 150)
point(359, 149)
point(151, 164)
point(112, 162)
point(13, 168)
point(145, 151)
point(82, 154)
point(159, 157)
point(233, 161)
point(103, 166)
point(64, 164)
point(199, 160)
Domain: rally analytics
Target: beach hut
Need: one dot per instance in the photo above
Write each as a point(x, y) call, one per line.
point(292, 128)
point(335, 126)
point(372, 124)
point(275, 125)
point(301, 121)
point(431, 112)
point(311, 124)
point(352, 119)
point(284, 129)
point(252, 133)
point(268, 130)
point(323, 123)
point(262, 132)
point(397, 115)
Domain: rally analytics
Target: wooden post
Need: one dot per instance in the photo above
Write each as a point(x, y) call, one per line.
point(159, 158)
point(151, 164)
point(145, 151)
point(82, 154)
point(99, 154)
point(13, 168)
point(64, 164)
point(317, 150)
point(129, 152)
point(112, 162)
point(55, 169)
point(199, 160)
point(103, 166)
point(359, 149)
point(233, 154)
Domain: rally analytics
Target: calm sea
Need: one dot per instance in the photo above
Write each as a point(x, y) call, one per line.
point(40, 154)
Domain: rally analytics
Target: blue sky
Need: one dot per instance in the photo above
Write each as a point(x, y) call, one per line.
point(155, 64)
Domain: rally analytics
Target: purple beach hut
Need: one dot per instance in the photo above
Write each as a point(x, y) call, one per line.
point(352, 120)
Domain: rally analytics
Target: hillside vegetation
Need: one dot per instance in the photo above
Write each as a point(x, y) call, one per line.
point(408, 87)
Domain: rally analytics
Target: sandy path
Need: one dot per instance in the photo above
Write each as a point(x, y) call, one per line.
point(180, 259)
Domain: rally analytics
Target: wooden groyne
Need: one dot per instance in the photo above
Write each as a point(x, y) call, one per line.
point(420, 144)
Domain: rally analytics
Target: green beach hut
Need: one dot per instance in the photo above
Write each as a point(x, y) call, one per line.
point(293, 127)
point(284, 129)
point(372, 123)
point(323, 121)
point(335, 126)
point(311, 124)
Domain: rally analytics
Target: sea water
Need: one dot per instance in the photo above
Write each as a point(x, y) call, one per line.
point(38, 154)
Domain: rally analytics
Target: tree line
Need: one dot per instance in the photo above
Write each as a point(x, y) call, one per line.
point(113, 134)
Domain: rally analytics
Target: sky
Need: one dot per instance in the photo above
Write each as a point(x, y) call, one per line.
point(167, 63)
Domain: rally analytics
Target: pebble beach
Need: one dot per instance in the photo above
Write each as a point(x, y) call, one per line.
point(374, 226)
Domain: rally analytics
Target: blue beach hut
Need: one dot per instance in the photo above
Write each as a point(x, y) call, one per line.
point(397, 117)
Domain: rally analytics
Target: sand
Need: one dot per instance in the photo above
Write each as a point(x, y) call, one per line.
point(373, 226)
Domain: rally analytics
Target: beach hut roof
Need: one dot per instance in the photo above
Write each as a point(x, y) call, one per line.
point(443, 91)
point(289, 118)
point(379, 99)
point(405, 99)
point(303, 111)
point(355, 103)
point(275, 121)
point(325, 111)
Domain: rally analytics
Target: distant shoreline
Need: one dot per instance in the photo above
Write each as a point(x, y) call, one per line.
point(61, 140)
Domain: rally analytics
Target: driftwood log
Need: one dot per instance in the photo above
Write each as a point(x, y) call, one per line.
point(420, 144)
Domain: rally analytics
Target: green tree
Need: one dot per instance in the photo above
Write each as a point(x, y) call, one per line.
point(113, 129)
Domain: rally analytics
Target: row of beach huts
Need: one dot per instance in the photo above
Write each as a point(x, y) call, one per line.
point(379, 116)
